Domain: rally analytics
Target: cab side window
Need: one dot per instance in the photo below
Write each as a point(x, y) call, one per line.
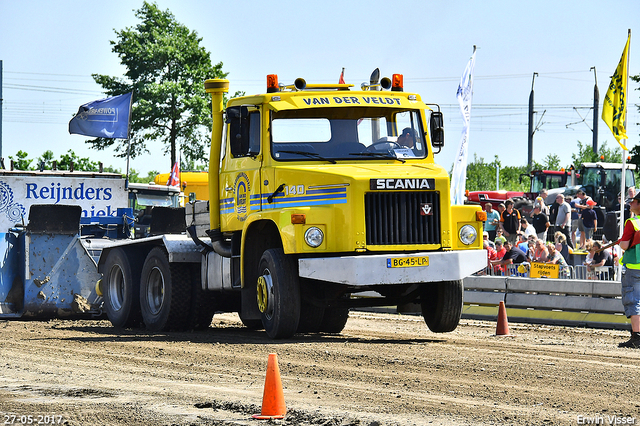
point(254, 133)
point(244, 131)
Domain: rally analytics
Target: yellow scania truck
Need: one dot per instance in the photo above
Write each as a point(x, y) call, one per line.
point(322, 198)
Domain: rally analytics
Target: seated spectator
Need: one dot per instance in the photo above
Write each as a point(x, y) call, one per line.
point(615, 251)
point(555, 256)
point(531, 248)
point(526, 228)
point(541, 253)
point(513, 256)
point(485, 237)
point(500, 250)
point(588, 247)
point(523, 243)
point(561, 245)
point(491, 253)
point(601, 258)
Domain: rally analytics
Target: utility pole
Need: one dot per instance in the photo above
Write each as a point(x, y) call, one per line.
point(531, 129)
point(596, 115)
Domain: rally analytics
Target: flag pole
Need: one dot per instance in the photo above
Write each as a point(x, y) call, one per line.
point(126, 179)
point(623, 188)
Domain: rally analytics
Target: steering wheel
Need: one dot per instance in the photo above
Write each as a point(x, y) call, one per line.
point(393, 145)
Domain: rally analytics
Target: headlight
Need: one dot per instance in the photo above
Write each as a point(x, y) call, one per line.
point(314, 237)
point(468, 234)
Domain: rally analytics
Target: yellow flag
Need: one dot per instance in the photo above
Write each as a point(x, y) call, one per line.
point(614, 110)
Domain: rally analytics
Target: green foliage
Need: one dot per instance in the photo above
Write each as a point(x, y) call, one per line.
point(635, 155)
point(135, 177)
point(550, 162)
point(166, 69)
point(510, 178)
point(192, 167)
point(481, 176)
point(20, 162)
point(585, 154)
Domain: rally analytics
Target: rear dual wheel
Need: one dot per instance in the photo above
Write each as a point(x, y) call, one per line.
point(120, 288)
point(165, 293)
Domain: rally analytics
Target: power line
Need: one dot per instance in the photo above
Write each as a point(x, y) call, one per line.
point(50, 89)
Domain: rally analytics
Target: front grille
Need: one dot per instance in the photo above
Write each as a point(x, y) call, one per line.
point(395, 218)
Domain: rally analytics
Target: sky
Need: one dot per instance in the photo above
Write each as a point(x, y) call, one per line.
point(50, 49)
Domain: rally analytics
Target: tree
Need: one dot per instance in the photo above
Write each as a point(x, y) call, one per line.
point(166, 70)
point(585, 154)
point(551, 162)
point(135, 177)
point(480, 175)
point(21, 162)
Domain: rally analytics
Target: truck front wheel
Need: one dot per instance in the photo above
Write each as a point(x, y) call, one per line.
point(165, 293)
point(120, 289)
point(278, 294)
point(334, 320)
point(441, 305)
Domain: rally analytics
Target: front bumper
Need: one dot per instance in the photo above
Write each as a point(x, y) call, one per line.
point(368, 270)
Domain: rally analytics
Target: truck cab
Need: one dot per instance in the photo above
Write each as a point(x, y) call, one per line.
point(324, 193)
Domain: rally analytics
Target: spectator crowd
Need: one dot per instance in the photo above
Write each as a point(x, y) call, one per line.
point(551, 234)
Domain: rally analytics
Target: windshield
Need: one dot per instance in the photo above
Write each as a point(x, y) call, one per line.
point(347, 134)
point(591, 181)
point(548, 181)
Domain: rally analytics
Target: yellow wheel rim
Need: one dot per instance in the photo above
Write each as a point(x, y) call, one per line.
point(264, 293)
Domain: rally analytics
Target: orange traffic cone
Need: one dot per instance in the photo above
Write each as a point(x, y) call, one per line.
point(273, 406)
point(502, 329)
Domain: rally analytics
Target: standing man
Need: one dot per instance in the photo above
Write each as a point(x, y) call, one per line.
point(580, 207)
point(510, 222)
point(492, 222)
point(589, 223)
point(541, 200)
point(540, 222)
point(631, 273)
point(553, 214)
point(563, 218)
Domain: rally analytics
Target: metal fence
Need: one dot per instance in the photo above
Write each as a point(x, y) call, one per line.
point(578, 272)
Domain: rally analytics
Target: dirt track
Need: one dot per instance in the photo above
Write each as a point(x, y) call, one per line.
point(382, 370)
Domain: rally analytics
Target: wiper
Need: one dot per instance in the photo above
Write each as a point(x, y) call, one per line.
point(309, 154)
point(378, 155)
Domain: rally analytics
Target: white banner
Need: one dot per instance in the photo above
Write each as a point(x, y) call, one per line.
point(98, 197)
point(464, 95)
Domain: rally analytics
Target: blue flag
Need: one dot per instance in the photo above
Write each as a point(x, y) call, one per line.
point(105, 118)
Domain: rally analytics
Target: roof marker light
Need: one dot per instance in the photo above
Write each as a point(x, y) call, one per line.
point(272, 83)
point(397, 83)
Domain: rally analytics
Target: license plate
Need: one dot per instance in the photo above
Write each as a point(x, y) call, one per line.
point(407, 262)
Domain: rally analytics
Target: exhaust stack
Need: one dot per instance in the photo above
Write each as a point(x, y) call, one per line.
point(217, 87)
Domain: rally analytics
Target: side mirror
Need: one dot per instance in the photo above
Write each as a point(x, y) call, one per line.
point(436, 124)
point(237, 118)
point(522, 175)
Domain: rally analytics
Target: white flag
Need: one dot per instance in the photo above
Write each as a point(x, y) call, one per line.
point(465, 91)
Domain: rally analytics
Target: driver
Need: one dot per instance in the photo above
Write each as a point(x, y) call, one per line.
point(407, 138)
